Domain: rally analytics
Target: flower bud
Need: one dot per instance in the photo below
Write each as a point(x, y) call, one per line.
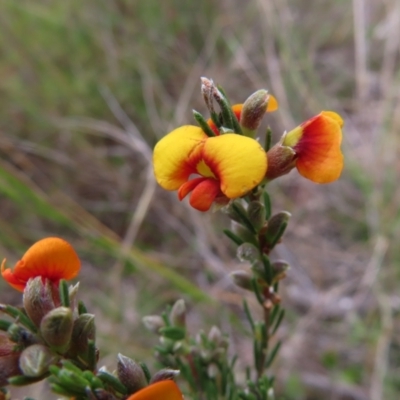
point(39, 298)
point(84, 329)
point(130, 374)
point(256, 214)
point(36, 359)
point(276, 228)
point(279, 269)
point(165, 374)
point(153, 323)
point(281, 160)
point(253, 111)
point(20, 336)
point(178, 313)
point(242, 279)
point(242, 232)
point(235, 211)
point(56, 328)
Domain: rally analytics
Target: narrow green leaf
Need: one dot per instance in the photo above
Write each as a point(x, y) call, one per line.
point(268, 273)
point(278, 321)
point(273, 354)
point(243, 218)
point(268, 139)
point(274, 314)
point(203, 124)
point(91, 355)
point(112, 381)
point(82, 308)
point(4, 325)
point(64, 293)
point(256, 290)
point(19, 315)
point(22, 380)
point(267, 204)
point(248, 314)
point(236, 239)
point(145, 370)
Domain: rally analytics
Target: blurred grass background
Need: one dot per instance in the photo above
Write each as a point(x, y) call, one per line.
point(87, 88)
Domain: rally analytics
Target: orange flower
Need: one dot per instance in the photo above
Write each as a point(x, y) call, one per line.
point(237, 110)
point(162, 390)
point(229, 165)
point(51, 258)
point(313, 148)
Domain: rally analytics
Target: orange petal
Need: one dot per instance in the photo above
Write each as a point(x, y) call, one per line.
point(163, 390)
point(237, 110)
point(173, 154)
point(188, 186)
point(238, 162)
point(272, 104)
point(319, 157)
point(52, 258)
point(211, 124)
point(204, 194)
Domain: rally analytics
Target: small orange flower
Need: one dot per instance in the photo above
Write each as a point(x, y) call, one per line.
point(51, 258)
point(313, 148)
point(229, 165)
point(162, 390)
point(237, 110)
point(317, 145)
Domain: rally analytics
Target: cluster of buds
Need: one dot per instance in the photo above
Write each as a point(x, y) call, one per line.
point(50, 327)
point(202, 358)
point(131, 381)
point(53, 335)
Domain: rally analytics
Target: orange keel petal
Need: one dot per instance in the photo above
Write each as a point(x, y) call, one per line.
point(188, 186)
point(204, 194)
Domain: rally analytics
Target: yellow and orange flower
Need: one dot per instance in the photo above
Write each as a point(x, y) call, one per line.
point(165, 390)
point(51, 258)
point(237, 110)
point(228, 165)
point(313, 148)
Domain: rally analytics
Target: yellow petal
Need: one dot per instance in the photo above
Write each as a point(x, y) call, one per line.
point(239, 162)
point(172, 156)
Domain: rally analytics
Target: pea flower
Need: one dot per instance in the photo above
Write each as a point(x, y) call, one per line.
point(313, 148)
point(165, 390)
point(51, 258)
point(228, 165)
